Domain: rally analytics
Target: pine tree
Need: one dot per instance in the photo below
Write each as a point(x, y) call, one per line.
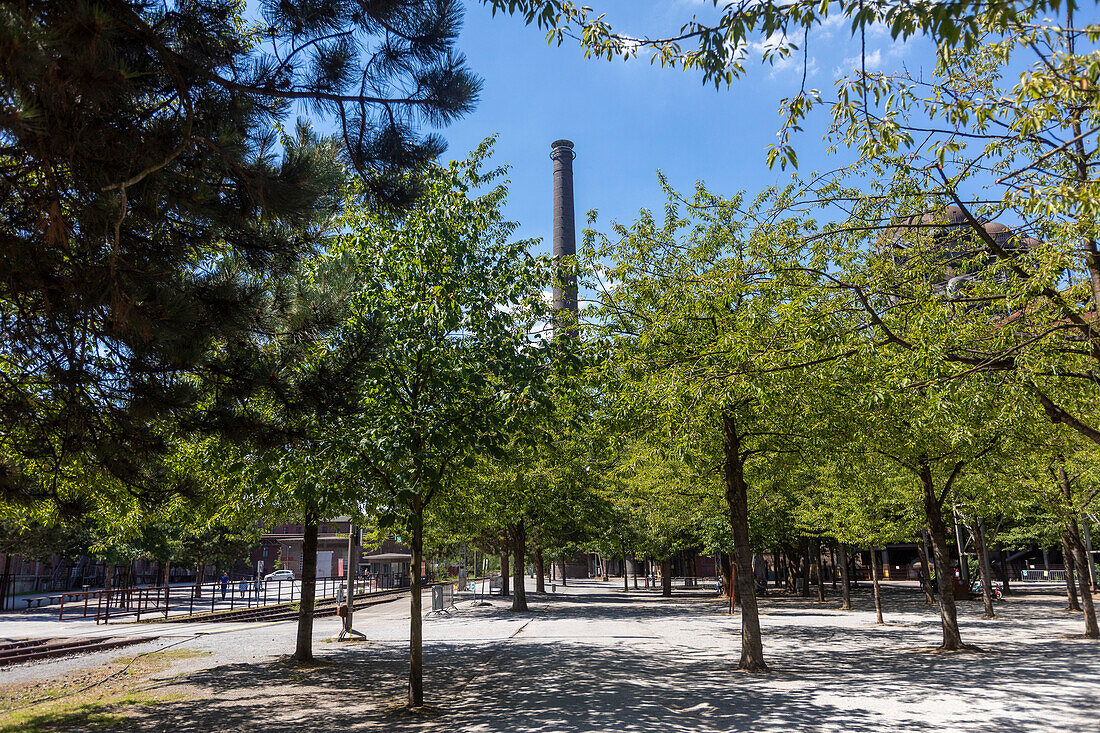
point(146, 193)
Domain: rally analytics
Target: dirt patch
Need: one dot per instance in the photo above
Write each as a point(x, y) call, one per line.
point(402, 711)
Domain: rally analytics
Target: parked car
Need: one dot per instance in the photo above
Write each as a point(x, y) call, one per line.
point(279, 575)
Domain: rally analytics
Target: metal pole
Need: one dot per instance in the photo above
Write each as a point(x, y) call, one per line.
point(348, 630)
point(351, 576)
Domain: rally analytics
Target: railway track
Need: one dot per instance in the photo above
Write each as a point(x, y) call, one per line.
point(29, 650)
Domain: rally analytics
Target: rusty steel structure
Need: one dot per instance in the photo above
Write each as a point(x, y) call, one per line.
point(961, 252)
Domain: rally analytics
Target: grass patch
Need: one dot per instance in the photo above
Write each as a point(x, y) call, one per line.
point(81, 712)
point(107, 702)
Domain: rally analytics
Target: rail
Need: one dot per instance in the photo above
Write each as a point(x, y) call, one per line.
point(188, 600)
point(1039, 575)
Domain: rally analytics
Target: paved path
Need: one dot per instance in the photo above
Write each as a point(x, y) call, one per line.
point(591, 659)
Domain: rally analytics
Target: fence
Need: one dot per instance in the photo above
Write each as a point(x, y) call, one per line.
point(188, 600)
point(443, 597)
point(1036, 575)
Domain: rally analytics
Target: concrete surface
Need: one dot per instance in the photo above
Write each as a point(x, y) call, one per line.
point(592, 658)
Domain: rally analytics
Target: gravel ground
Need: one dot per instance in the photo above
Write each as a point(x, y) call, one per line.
point(593, 659)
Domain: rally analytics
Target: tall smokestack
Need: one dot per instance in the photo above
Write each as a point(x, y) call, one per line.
point(565, 231)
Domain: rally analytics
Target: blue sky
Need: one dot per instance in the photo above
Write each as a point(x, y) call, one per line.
point(628, 118)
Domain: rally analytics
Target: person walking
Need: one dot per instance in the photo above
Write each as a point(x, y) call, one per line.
point(225, 583)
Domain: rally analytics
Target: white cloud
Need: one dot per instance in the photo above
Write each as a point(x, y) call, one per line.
point(780, 64)
point(875, 60)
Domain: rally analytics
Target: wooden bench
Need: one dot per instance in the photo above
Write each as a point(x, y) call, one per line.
point(42, 600)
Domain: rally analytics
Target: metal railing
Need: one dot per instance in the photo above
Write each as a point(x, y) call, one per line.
point(1037, 575)
point(189, 600)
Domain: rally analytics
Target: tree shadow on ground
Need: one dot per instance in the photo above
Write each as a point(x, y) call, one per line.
point(682, 677)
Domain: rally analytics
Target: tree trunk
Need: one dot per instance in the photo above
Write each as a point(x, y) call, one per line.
point(504, 572)
point(540, 571)
point(416, 618)
point(1091, 629)
point(926, 573)
point(303, 652)
point(563, 583)
point(845, 588)
point(875, 570)
point(1073, 533)
point(952, 639)
point(1072, 604)
point(5, 582)
point(727, 577)
point(1004, 567)
point(626, 575)
point(735, 597)
point(634, 568)
point(984, 568)
point(167, 585)
point(778, 557)
point(200, 573)
point(832, 559)
point(519, 551)
point(108, 579)
point(666, 577)
point(820, 572)
point(737, 500)
point(1086, 538)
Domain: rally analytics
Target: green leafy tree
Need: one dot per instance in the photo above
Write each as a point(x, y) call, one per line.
point(714, 328)
point(1006, 131)
point(455, 366)
point(716, 42)
point(316, 359)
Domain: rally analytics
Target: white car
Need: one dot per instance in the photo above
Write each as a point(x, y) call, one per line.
point(279, 575)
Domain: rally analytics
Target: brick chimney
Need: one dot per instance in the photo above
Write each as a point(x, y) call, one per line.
point(565, 231)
